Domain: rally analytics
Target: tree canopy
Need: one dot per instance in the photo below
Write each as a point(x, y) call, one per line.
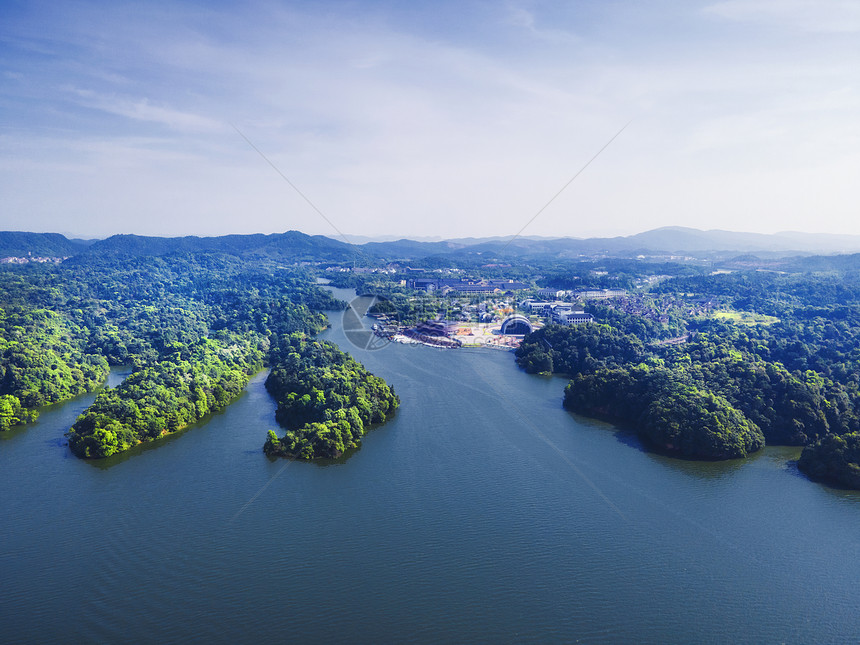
point(722, 391)
point(193, 326)
point(326, 399)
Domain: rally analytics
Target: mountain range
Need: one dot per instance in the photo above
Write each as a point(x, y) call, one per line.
point(297, 246)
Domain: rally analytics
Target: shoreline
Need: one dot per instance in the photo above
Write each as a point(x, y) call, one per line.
point(404, 339)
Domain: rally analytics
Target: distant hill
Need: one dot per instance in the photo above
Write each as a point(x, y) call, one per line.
point(21, 244)
point(678, 238)
point(825, 263)
point(411, 248)
point(292, 245)
point(670, 240)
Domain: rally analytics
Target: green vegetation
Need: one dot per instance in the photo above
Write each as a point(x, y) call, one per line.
point(193, 326)
point(26, 245)
point(43, 360)
point(571, 350)
point(745, 317)
point(167, 396)
point(834, 459)
point(12, 413)
point(790, 381)
point(326, 399)
point(670, 415)
point(615, 378)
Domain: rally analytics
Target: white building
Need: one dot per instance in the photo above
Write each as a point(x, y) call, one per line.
point(601, 294)
point(541, 308)
point(565, 315)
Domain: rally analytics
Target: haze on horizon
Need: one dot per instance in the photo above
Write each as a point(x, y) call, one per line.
point(444, 119)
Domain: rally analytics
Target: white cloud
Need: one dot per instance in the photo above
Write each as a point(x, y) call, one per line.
point(799, 15)
point(143, 110)
point(526, 20)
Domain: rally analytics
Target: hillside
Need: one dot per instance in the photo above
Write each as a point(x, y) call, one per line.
point(292, 245)
point(21, 244)
point(296, 246)
point(670, 240)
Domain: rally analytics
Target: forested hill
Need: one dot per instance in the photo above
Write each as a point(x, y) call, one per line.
point(669, 240)
point(52, 245)
point(326, 400)
point(790, 375)
point(194, 327)
point(291, 245)
point(721, 246)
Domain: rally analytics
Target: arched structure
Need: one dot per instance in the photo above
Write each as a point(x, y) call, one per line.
point(517, 325)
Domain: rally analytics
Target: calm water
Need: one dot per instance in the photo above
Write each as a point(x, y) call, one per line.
point(482, 513)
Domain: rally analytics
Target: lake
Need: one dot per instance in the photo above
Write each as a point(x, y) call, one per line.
point(483, 512)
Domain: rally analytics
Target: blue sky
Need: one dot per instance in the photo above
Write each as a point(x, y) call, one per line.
point(429, 119)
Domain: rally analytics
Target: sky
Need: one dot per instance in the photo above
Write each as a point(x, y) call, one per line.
point(429, 119)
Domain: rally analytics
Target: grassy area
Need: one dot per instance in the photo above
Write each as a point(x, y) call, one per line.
point(745, 317)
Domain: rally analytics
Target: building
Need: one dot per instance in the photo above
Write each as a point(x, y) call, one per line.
point(601, 294)
point(564, 314)
point(435, 332)
point(466, 287)
point(423, 284)
point(516, 325)
point(436, 328)
point(551, 293)
point(469, 289)
point(542, 308)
